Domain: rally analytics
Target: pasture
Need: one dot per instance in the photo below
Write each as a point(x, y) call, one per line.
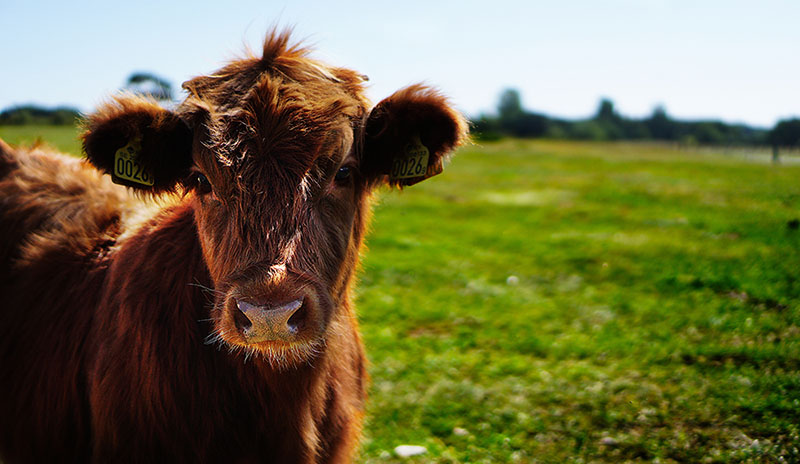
point(546, 301)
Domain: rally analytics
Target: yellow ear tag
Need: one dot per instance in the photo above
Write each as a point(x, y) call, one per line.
point(413, 162)
point(127, 167)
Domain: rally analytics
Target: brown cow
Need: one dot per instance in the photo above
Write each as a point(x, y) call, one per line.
point(215, 323)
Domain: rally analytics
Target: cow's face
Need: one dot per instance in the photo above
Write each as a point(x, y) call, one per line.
point(278, 159)
point(279, 202)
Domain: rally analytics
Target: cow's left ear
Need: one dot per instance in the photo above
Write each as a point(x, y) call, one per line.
point(139, 143)
point(408, 136)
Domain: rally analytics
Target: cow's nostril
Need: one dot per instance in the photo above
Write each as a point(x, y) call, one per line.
point(297, 320)
point(240, 319)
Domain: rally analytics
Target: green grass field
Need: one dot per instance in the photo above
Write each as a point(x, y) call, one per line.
point(64, 138)
point(549, 301)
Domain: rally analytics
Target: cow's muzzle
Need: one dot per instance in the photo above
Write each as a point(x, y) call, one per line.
point(290, 311)
point(270, 321)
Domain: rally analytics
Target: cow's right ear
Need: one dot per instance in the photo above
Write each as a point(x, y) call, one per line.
point(408, 136)
point(139, 143)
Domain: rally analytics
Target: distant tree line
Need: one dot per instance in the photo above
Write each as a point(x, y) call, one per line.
point(511, 120)
point(607, 124)
point(32, 114)
point(141, 83)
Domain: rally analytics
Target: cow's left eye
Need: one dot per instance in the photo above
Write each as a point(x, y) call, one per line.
point(343, 174)
point(202, 184)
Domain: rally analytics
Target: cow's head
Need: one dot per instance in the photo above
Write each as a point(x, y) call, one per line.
point(278, 155)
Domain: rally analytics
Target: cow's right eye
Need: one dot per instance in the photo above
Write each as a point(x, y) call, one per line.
point(343, 174)
point(202, 185)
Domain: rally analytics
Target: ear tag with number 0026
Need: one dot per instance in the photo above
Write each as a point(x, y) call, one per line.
point(127, 166)
point(413, 162)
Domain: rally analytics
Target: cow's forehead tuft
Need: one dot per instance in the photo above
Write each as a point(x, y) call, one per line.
point(281, 104)
point(281, 64)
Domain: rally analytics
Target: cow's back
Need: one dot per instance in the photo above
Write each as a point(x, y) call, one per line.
point(58, 219)
point(49, 202)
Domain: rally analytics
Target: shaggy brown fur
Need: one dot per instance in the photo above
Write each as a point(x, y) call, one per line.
point(122, 333)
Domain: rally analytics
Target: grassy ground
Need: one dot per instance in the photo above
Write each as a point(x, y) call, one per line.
point(586, 302)
point(582, 302)
point(63, 138)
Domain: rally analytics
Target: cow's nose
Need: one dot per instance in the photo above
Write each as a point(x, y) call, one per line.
point(268, 322)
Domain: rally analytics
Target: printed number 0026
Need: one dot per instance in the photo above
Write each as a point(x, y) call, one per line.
point(130, 170)
point(408, 167)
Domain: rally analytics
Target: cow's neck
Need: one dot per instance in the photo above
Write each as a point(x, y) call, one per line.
point(165, 256)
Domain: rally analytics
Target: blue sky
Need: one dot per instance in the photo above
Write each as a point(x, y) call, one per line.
point(734, 60)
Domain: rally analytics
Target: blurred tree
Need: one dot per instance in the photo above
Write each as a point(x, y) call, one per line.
point(514, 120)
point(634, 129)
point(528, 125)
point(605, 112)
point(144, 83)
point(588, 130)
point(608, 125)
point(486, 128)
point(510, 105)
point(709, 133)
point(661, 127)
point(786, 133)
